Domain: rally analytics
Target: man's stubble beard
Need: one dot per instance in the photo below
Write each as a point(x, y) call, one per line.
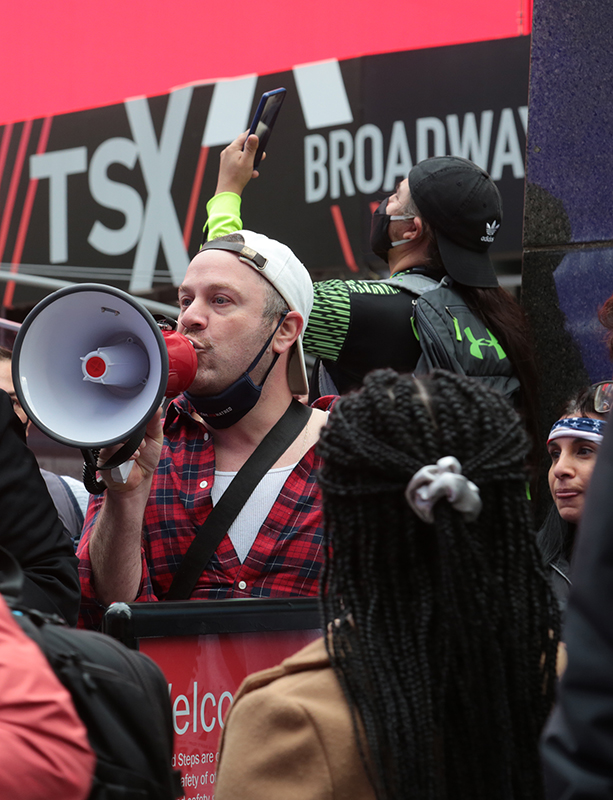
point(200, 388)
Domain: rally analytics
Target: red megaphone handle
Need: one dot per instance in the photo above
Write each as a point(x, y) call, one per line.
point(182, 362)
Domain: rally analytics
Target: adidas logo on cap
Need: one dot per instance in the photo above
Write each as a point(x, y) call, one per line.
point(491, 229)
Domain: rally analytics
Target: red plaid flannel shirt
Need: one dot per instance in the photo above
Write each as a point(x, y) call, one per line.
point(284, 560)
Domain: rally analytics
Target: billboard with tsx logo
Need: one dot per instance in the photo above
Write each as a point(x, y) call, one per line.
point(117, 194)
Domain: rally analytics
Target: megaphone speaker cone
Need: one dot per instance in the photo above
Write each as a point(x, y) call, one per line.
point(90, 366)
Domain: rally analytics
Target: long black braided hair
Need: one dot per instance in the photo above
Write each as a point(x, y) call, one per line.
point(443, 636)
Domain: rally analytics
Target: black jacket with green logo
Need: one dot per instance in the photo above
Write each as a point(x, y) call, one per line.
point(411, 323)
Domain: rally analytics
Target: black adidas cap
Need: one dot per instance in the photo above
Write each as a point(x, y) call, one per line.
point(462, 204)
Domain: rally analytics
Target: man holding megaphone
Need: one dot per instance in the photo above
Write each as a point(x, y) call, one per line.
point(222, 500)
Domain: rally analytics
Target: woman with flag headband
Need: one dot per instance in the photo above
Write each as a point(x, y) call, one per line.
point(573, 444)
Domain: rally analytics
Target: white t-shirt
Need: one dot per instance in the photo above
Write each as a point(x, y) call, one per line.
point(252, 515)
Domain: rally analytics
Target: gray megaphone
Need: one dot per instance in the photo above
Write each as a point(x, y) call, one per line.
point(91, 367)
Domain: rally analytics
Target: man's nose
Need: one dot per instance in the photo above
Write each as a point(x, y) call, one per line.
point(193, 317)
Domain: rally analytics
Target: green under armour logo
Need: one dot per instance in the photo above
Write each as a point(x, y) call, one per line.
point(477, 344)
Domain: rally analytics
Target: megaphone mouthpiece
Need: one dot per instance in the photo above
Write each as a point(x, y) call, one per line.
point(125, 365)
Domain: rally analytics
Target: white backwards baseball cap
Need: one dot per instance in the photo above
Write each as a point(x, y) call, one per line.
point(278, 264)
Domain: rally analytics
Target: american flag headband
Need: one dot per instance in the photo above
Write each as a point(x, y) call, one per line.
point(579, 428)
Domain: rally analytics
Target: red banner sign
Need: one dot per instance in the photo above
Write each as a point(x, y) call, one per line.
point(204, 673)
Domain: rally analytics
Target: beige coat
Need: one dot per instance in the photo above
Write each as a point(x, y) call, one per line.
point(289, 736)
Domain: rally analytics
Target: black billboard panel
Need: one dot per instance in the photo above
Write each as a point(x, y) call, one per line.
point(117, 194)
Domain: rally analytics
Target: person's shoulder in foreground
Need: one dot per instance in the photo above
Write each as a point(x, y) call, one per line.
point(44, 752)
point(299, 710)
point(30, 528)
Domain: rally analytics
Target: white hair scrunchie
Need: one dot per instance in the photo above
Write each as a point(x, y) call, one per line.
point(443, 480)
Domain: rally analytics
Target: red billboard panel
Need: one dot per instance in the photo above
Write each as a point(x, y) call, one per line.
point(66, 56)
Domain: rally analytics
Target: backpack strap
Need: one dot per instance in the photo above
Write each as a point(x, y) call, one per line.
point(11, 577)
point(211, 532)
point(414, 283)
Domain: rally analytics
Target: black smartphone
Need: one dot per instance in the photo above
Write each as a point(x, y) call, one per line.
point(265, 118)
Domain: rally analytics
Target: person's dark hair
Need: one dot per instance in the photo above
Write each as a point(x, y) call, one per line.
point(556, 538)
point(5, 354)
point(505, 318)
point(605, 316)
point(582, 404)
point(443, 636)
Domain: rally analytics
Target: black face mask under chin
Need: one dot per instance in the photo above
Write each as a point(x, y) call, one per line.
point(379, 234)
point(228, 407)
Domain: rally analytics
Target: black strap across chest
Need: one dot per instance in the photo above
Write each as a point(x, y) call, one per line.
point(211, 532)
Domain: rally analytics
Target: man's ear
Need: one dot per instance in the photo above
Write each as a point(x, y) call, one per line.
point(414, 230)
point(288, 332)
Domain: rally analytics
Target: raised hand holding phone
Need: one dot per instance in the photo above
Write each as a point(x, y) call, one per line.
point(264, 119)
point(239, 161)
point(236, 164)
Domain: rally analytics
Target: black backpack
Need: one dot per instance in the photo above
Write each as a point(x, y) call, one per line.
point(451, 337)
point(121, 696)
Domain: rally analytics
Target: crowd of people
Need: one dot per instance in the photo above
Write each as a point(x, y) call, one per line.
point(399, 493)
